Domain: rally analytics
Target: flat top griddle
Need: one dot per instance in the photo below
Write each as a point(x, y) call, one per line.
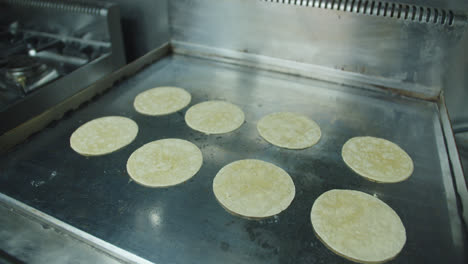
point(185, 223)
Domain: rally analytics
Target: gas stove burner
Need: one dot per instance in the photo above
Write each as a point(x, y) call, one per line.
point(27, 73)
point(24, 65)
point(22, 69)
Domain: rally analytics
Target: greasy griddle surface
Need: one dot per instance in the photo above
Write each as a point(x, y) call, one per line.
point(185, 224)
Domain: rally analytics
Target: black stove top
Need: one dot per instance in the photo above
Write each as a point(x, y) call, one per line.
point(21, 75)
point(52, 55)
point(27, 73)
point(28, 61)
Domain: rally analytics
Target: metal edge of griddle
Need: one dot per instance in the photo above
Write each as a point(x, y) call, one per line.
point(450, 191)
point(21, 132)
point(97, 244)
point(306, 70)
point(455, 167)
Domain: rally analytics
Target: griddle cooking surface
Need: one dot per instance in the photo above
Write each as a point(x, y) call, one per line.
point(185, 223)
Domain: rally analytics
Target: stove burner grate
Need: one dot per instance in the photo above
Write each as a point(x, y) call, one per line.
point(27, 72)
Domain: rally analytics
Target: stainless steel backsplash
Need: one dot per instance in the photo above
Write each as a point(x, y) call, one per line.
point(411, 51)
point(418, 43)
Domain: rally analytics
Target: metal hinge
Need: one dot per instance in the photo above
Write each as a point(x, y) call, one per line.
point(398, 11)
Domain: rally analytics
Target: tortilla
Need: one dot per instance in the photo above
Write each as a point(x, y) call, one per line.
point(103, 135)
point(164, 162)
point(253, 188)
point(289, 130)
point(214, 117)
point(161, 101)
point(358, 226)
point(377, 159)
